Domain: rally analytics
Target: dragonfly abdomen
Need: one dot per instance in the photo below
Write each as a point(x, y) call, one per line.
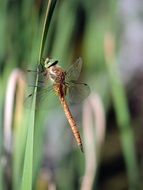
point(71, 122)
point(60, 89)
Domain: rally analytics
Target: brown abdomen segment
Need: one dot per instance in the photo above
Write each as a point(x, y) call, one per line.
point(71, 122)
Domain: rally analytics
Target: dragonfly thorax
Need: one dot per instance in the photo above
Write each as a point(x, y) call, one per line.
point(56, 74)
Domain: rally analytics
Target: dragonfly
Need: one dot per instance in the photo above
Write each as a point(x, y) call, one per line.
point(64, 84)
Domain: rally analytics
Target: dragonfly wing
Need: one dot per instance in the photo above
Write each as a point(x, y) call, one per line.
point(73, 72)
point(77, 92)
point(32, 75)
point(42, 95)
point(43, 87)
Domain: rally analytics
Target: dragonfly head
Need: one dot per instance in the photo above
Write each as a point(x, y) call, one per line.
point(50, 62)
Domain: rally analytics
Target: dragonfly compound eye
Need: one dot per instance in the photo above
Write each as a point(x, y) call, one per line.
point(49, 62)
point(52, 63)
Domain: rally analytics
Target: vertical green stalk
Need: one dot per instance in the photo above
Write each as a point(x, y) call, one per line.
point(122, 115)
point(28, 159)
point(47, 20)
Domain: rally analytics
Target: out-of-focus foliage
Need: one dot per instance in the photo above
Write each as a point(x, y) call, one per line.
point(37, 150)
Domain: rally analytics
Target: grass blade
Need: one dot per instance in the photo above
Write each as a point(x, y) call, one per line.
point(28, 160)
point(48, 16)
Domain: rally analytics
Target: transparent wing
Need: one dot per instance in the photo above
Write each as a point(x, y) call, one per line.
point(44, 88)
point(32, 75)
point(77, 92)
point(42, 96)
point(73, 72)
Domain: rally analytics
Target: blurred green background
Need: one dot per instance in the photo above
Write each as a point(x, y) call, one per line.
point(37, 148)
